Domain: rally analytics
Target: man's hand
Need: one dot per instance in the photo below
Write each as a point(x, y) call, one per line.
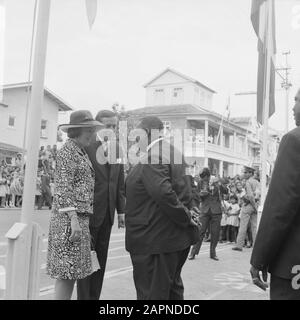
point(121, 220)
point(255, 274)
point(195, 213)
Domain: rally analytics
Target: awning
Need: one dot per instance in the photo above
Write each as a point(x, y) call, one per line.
point(10, 147)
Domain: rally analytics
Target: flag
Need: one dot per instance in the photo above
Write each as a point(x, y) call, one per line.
point(91, 10)
point(2, 45)
point(259, 18)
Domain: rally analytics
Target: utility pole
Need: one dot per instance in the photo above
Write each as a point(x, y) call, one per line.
point(286, 84)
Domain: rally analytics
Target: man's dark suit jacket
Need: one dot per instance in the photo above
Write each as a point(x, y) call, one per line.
point(277, 244)
point(157, 197)
point(109, 189)
point(211, 201)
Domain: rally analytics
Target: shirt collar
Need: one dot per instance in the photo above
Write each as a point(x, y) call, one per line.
point(153, 143)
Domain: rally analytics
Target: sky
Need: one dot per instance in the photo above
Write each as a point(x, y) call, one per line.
point(134, 40)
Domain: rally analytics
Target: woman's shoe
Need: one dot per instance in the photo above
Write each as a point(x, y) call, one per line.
point(191, 257)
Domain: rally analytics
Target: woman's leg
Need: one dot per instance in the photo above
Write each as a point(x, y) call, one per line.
point(13, 200)
point(228, 233)
point(235, 233)
point(64, 289)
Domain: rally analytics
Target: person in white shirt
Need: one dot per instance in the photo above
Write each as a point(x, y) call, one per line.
point(233, 211)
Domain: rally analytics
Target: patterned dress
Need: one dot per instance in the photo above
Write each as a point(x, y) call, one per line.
point(74, 190)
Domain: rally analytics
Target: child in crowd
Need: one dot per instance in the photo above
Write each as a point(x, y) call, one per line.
point(233, 211)
point(223, 233)
point(2, 188)
point(8, 192)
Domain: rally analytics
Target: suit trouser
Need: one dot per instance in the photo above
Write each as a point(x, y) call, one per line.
point(90, 287)
point(214, 221)
point(248, 214)
point(282, 289)
point(158, 276)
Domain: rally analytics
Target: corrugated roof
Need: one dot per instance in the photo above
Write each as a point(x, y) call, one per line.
point(10, 147)
point(63, 106)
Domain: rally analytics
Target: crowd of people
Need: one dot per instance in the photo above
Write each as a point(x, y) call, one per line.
point(12, 179)
point(231, 209)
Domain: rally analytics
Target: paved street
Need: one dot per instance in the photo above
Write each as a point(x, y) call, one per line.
point(204, 278)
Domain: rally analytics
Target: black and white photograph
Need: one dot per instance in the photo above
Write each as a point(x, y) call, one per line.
point(149, 150)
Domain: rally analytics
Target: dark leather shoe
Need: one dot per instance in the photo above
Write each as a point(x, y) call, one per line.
point(214, 258)
point(191, 257)
point(237, 249)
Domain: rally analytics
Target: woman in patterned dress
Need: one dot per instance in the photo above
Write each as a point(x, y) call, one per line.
point(69, 250)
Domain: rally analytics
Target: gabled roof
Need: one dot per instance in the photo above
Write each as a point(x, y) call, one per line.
point(63, 106)
point(180, 75)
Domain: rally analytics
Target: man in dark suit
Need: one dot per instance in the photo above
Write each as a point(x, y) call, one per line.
point(45, 196)
point(109, 196)
point(210, 212)
point(159, 225)
point(277, 245)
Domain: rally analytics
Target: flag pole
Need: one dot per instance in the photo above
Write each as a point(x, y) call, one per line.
point(24, 238)
point(269, 9)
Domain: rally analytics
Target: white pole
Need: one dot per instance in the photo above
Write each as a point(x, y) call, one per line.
point(287, 98)
point(269, 15)
point(35, 111)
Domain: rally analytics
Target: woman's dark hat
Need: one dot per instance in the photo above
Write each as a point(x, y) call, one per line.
point(81, 119)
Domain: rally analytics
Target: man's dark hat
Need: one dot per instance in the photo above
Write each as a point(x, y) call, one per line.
point(81, 119)
point(204, 172)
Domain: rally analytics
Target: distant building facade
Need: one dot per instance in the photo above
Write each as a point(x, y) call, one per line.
point(13, 118)
point(223, 145)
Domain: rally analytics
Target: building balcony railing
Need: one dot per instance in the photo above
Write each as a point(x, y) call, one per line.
point(193, 149)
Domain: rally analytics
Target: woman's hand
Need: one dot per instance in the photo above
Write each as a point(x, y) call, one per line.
point(76, 230)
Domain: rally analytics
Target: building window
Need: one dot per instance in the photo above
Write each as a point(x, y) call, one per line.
point(177, 95)
point(11, 121)
point(44, 128)
point(159, 96)
point(167, 127)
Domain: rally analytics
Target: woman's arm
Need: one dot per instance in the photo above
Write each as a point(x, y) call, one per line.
point(65, 173)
